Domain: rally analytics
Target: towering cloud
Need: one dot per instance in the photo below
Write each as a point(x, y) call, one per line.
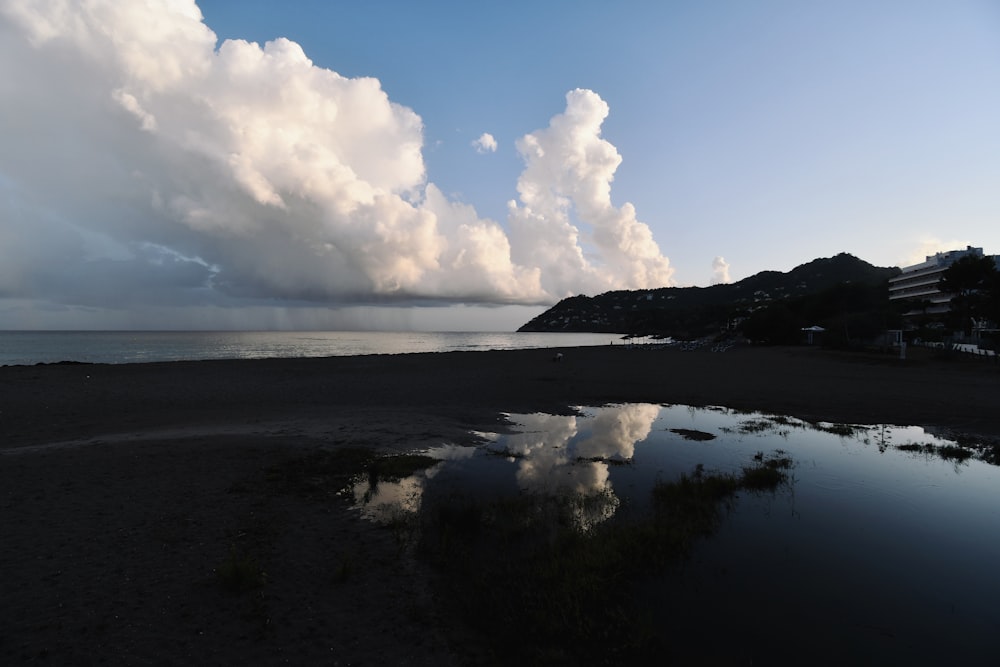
point(143, 162)
point(569, 170)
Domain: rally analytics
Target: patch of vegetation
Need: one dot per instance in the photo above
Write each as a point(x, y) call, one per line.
point(843, 430)
point(611, 461)
point(691, 434)
point(966, 440)
point(507, 453)
point(526, 563)
point(946, 452)
point(239, 573)
point(767, 473)
point(985, 448)
point(762, 425)
point(991, 454)
point(988, 448)
point(954, 453)
point(756, 426)
point(783, 420)
point(327, 472)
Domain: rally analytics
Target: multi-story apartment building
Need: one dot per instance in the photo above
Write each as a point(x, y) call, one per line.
point(919, 283)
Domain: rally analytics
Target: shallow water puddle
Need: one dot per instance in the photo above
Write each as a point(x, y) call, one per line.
point(884, 543)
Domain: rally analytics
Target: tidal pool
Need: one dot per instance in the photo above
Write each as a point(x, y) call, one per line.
point(883, 548)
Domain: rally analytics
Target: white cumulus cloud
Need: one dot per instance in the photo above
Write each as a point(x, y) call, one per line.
point(568, 172)
point(720, 271)
point(145, 163)
point(485, 143)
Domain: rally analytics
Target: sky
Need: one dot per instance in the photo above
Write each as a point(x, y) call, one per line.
point(265, 164)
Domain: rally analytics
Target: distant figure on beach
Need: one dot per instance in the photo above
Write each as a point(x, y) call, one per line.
point(558, 357)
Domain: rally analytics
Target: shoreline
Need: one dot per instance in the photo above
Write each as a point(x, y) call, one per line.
point(124, 489)
point(459, 391)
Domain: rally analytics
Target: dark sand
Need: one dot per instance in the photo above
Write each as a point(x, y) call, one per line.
point(123, 488)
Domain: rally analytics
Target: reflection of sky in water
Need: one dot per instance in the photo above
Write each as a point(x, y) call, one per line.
point(873, 548)
point(571, 453)
point(387, 501)
point(554, 455)
point(871, 545)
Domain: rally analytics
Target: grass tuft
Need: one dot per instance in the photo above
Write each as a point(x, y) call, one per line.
point(766, 473)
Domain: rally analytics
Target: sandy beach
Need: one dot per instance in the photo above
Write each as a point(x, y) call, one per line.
point(124, 488)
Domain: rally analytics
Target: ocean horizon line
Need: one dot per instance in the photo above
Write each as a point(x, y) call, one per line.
point(28, 347)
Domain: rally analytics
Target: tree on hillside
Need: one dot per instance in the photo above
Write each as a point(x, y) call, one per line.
point(974, 284)
point(774, 324)
point(851, 313)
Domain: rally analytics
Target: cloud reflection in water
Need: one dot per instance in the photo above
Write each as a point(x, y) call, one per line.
point(386, 501)
point(567, 456)
point(562, 458)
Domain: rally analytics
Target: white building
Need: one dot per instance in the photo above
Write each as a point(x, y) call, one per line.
point(919, 283)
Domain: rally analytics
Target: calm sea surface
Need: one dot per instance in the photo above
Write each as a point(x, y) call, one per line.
point(122, 347)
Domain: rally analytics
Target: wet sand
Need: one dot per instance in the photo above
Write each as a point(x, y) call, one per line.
point(124, 488)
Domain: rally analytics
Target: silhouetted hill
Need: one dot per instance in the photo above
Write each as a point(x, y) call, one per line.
point(694, 311)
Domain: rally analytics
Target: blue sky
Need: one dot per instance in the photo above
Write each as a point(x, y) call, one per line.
point(710, 141)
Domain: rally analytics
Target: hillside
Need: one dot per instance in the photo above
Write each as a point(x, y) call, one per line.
point(695, 311)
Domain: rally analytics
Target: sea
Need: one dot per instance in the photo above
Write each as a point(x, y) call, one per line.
point(125, 347)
